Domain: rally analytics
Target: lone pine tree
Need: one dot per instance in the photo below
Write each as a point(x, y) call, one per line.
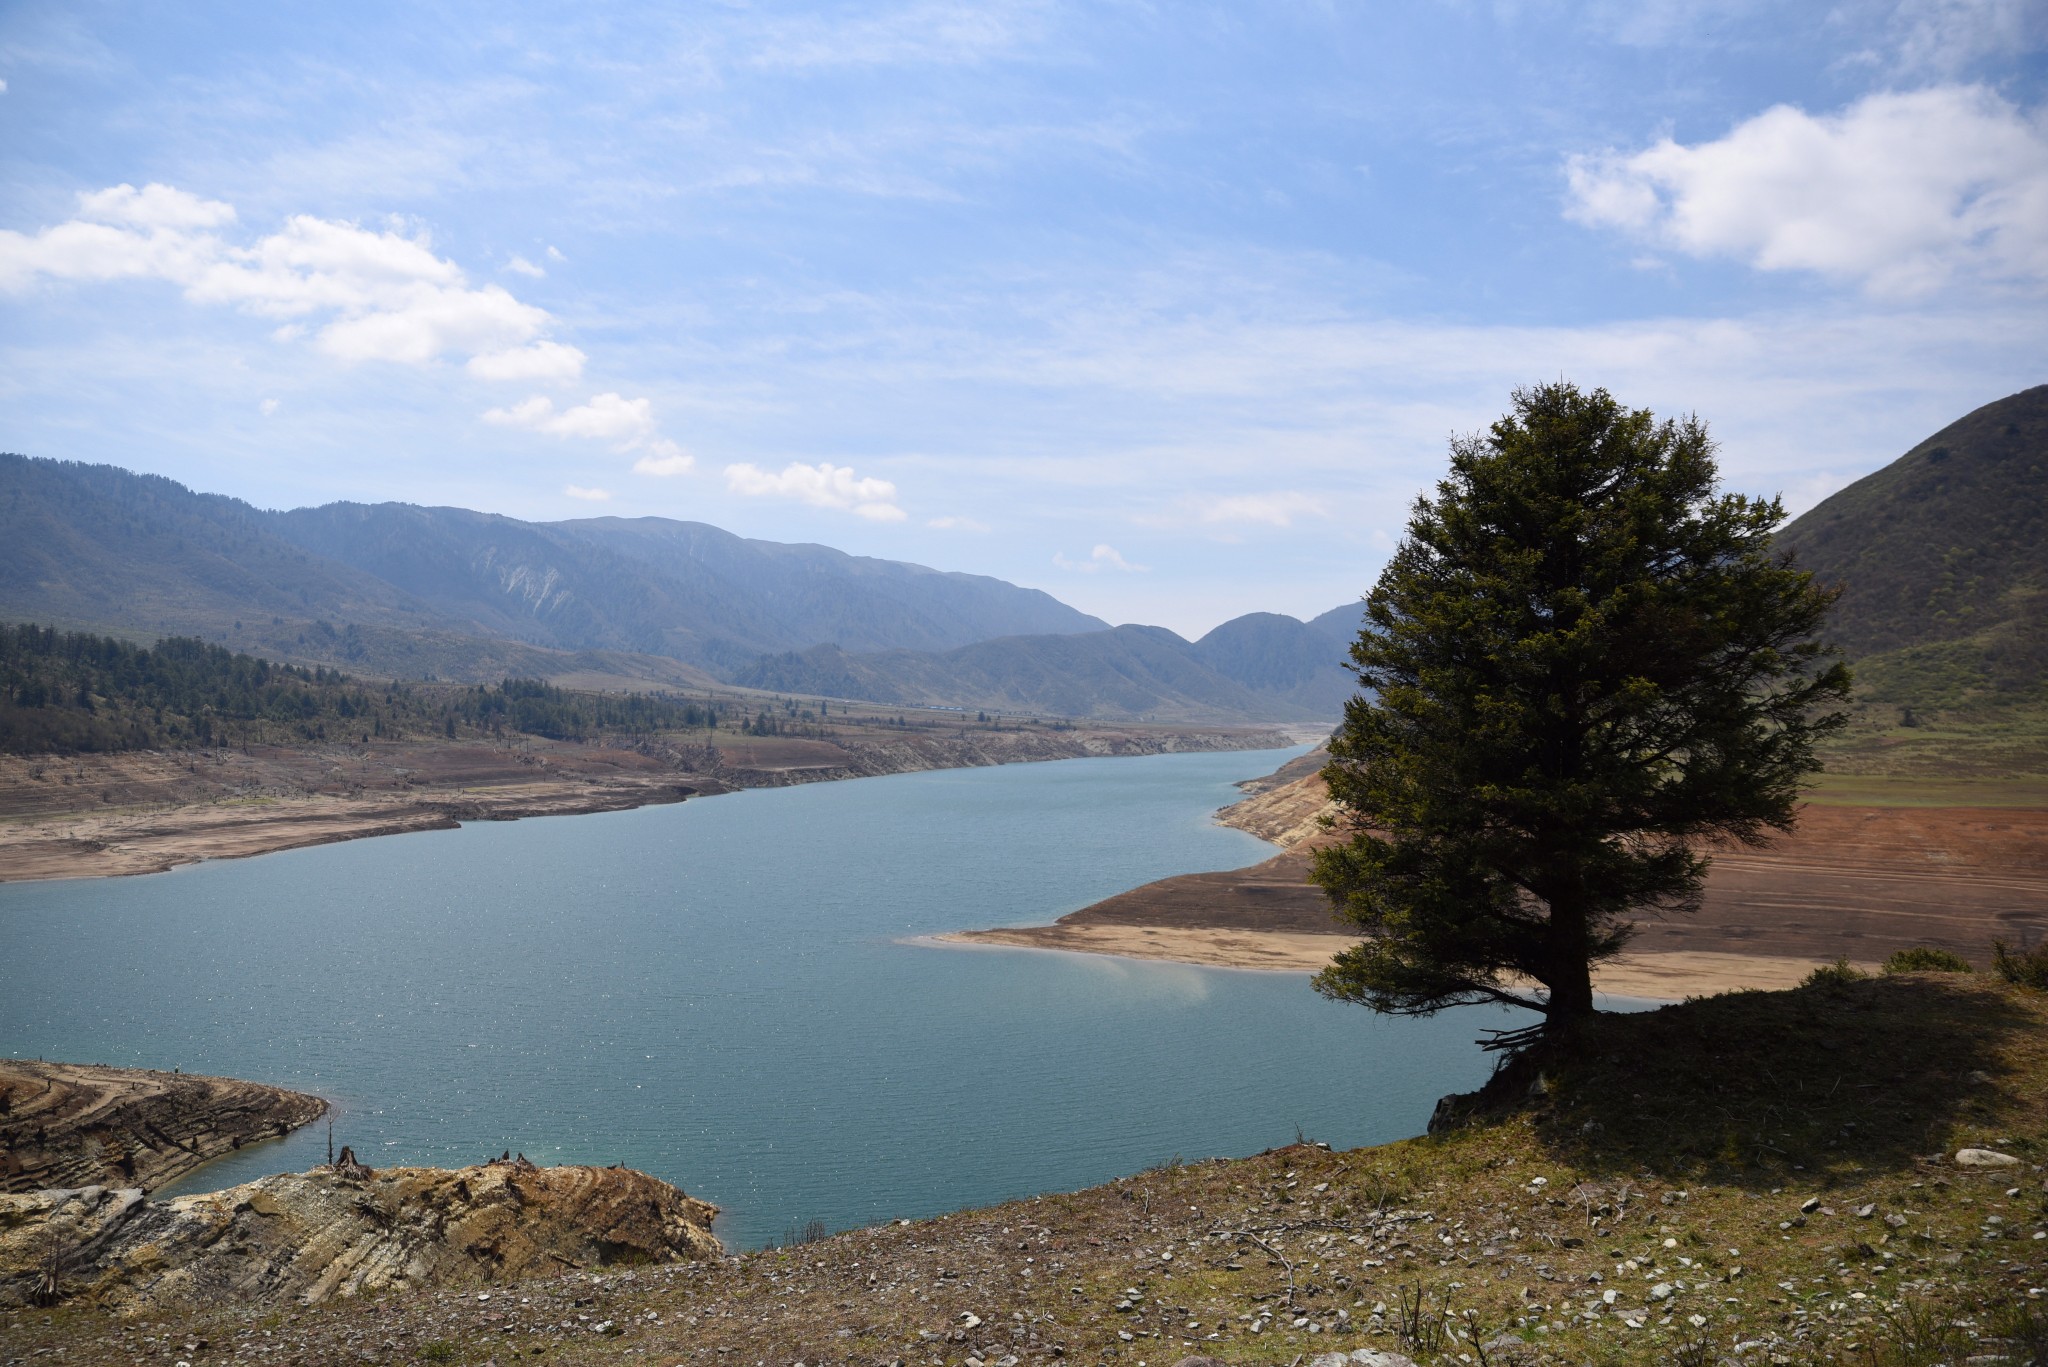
point(1582, 663)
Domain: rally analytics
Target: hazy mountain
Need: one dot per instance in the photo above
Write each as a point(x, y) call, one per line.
point(1340, 624)
point(402, 588)
point(1943, 560)
point(1282, 658)
point(1128, 671)
point(810, 593)
point(1261, 666)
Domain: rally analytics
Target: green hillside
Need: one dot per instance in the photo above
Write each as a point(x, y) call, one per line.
point(65, 692)
point(1943, 561)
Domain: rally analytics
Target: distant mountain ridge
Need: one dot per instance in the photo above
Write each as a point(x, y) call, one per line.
point(400, 588)
point(1260, 666)
point(101, 547)
point(1942, 557)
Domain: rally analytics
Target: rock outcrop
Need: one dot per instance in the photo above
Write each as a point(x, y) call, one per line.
point(77, 1124)
point(339, 1231)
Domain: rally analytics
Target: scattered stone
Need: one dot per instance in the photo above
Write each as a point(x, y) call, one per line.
point(1985, 1158)
point(1362, 1357)
point(1661, 1291)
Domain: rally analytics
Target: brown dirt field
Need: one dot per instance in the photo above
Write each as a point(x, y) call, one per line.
point(1851, 882)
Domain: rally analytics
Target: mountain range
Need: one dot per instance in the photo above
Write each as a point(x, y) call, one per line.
point(406, 590)
point(1941, 556)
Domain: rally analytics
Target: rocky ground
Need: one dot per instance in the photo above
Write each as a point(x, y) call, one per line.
point(1784, 1178)
point(86, 816)
point(72, 1124)
point(341, 1230)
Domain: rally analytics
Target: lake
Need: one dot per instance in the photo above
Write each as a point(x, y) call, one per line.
point(718, 993)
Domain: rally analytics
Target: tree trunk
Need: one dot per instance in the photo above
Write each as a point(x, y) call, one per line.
point(1571, 994)
point(1569, 972)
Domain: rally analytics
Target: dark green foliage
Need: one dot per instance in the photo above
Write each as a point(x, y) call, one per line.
point(2026, 966)
point(70, 692)
point(1943, 561)
point(1581, 660)
point(1837, 974)
point(1927, 959)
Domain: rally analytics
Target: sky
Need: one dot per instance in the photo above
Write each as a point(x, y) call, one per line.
point(1168, 309)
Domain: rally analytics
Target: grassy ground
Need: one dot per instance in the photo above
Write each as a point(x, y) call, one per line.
point(1755, 1178)
point(1988, 756)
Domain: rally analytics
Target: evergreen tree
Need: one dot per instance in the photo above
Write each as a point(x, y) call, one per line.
point(1582, 662)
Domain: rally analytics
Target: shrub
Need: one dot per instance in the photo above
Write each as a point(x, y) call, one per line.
point(1834, 975)
point(2027, 967)
point(1927, 959)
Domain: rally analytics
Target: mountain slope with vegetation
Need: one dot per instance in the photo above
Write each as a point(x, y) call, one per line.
point(1942, 557)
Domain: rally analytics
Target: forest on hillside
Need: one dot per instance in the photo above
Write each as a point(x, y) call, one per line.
point(65, 692)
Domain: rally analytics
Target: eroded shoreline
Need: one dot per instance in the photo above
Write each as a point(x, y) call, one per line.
point(99, 816)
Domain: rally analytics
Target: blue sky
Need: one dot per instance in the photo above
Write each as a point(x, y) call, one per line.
point(1167, 309)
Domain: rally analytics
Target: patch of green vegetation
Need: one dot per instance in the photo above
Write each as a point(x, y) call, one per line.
point(1927, 959)
point(2028, 967)
point(73, 692)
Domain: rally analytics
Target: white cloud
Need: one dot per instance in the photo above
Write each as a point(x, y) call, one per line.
point(664, 460)
point(537, 361)
point(607, 417)
point(1101, 558)
point(521, 266)
point(823, 485)
point(1946, 37)
point(1902, 192)
point(385, 295)
point(555, 254)
point(587, 495)
point(958, 524)
point(1275, 510)
point(267, 407)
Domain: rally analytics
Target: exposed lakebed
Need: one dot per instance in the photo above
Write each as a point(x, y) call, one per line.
point(719, 993)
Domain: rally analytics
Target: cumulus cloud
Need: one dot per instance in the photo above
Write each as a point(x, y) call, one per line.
point(607, 417)
point(664, 460)
point(539, 361)
point(1900, 192)
point(587, 495)
point(823, 485)
point(1099, 559)
point(361, 294)
point(521, 266)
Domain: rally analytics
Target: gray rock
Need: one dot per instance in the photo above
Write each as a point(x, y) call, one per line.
point(1985, 1158)
point(1661, 1291)
point(1362, 1357)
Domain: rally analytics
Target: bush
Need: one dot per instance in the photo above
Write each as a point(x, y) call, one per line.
point(2027, 967)
point(1836, 974)
point(1927, 959)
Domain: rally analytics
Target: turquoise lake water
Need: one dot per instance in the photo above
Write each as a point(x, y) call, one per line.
point(718, 993)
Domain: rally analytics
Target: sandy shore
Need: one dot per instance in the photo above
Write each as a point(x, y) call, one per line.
point(1670, 976)
point(1854, 882)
